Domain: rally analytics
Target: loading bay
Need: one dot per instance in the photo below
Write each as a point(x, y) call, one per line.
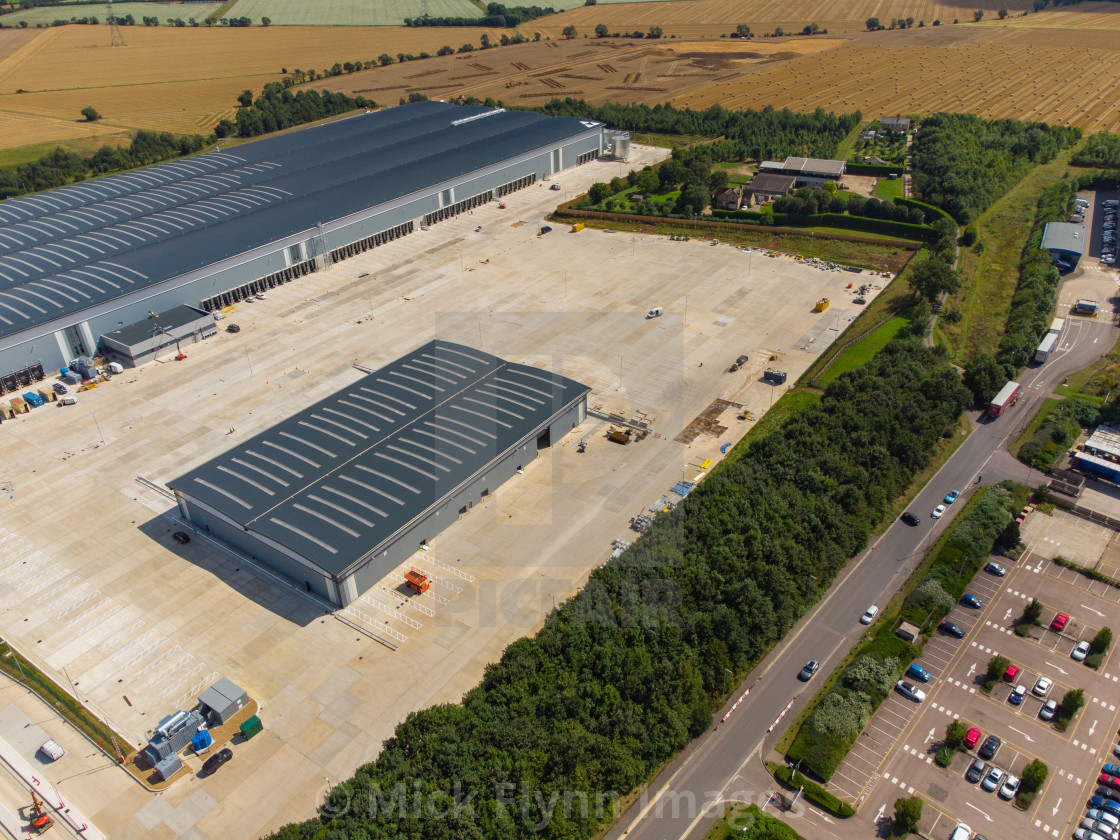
point(93, 588)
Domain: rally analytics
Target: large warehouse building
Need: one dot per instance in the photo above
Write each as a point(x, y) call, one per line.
point(339, 495)
point(1065, 242)
point(83, 261)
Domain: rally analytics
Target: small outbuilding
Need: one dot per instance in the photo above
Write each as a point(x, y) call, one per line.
point(134, 344)
point(765, 186)
point(907, 631)
point(1066, 243)
point(221, 701)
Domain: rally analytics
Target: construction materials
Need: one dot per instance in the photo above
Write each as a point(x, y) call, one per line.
point(577, 227)
point(619, 436)
point(417, 580)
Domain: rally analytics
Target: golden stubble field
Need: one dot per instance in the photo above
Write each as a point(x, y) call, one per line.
point(178, 80)
point(1044, 72)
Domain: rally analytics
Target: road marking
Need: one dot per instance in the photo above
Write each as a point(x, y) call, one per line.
point(1058, 668)
point(1092, 728)
point(880, 812)
point(929, 737)
point(1090, 609)
point(972, 669)
point(973, 807)
point(1057, 805)
point(1024, 734)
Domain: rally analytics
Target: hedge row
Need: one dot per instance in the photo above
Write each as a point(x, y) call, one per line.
point(904, 230)
point(814, 792)
point(932, 213)
point(873, 169)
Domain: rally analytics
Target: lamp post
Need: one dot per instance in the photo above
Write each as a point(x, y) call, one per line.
point(329, 788)
point(98, 425)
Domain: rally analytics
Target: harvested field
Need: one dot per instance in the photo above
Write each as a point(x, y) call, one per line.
point(64, 69)
point(1014, 71)
point(349, 12)
point(48, 14)
point(712, 18)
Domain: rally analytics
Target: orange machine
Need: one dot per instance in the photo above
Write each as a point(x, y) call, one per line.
point(417, 580)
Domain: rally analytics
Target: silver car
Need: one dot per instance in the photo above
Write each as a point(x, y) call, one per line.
point(993, 780)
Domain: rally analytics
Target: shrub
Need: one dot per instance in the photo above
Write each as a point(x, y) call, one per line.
point(814, 792)
point(1032, 612)
point(1094, 660)
point(954, 734)
point(907, 814)
point(872, 674)
point(1071, 703)
point(997, 666)
point(928, 594)
point(1102, 641)
point(1033, 776)
point(944, 756)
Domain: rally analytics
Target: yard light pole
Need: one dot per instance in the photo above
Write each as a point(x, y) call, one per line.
point(329, 788)
point(98, 425)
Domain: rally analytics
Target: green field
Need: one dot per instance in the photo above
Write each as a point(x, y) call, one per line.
point(888, 189)
point(47, 15)
point(349, 12)
point(863, 350)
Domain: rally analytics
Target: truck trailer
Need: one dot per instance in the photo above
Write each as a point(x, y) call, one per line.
point(1084, 306)
point(1006, 397)
point(1046, 347)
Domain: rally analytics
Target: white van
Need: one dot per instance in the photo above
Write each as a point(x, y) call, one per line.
point(869, 616)
point(656, 312)
point(52, 750)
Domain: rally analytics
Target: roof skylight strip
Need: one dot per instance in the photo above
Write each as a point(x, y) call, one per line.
point(434, 436)
point(324, 518)
point(308, 425)
point(370, 410)
point(380, 474)
point(422, 449)
point(423, 372)
point(445, 419)
point(391, 399)
point(488, 417)
point(340, 509)
point(439, 361)
point(256, 469)
point(406, 465)
point(361, 408)
point(351, 419)
point(494, 406)
point(223, 468)
point(358, 502)
point(342, 426)
point(405, 387)
point(287, 451)
point(372, 489)
point(520, 392)
point(303, 534)
point(307, 443)
point(482, 389)
point(226, 493)
point(276, 464)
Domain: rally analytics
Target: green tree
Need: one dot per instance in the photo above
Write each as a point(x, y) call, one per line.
point(743, 30)
point(920, 316)
point(598, 193)
point(984, 376)
point(601, 30)
point(568, 32)
point(954, 734)
point(266, 21)
point(654, 32)
point(1002, 14)
point(1102, 641)
point(1039, 5)
point(1032, 612)
point(932, 277)
point(384, 59)
point(445, 50)
point(466, 48)
point(997, 666)
point(872, 23)
point(224, 128)
point(978, 15)
point(1071, 703)
point(484, 41)
point(1033, 776)
point(90, 113)
point(245, 98)
point(907, 813)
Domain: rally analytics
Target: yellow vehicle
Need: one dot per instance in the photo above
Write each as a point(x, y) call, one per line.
point(822, 305)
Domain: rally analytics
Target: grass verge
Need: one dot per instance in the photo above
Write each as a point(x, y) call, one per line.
point(81, 718)
point(888, 189)
point(863, 350)
point(989, 272)
point(748, 822)
point(1039, 418)
point(790, 403)
point(1096, 380)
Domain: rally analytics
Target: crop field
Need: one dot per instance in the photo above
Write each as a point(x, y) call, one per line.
point(348, 12)
point(157, 82)
point(1026, 73)
point(712, 18)
point(48, 14)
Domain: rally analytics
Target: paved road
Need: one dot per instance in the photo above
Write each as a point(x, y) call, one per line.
point(677, 805)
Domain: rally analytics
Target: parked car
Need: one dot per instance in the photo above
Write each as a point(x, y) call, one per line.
point(807, 672)
point(972, 601)
point(182, 537)
point(869, 616)
point(976, 770)
point(994, 568)
point(1059, 622)
point(972, 738)
point(1100, 827)
point(961, 832)
point(910, 519)
point(52, 750)
point(1087, 834)
point(1104, 816)
point(917, 672)
point(58, 387)
point(1010, 787)
point(951, 629)
point(1109, 781)
point(233, 328)
point(1048, 710)
point(1111, 769)
point(1080, 651)
point(990, 747)
point(68, 400)
point(1108, 793)
point(1011, 673)
point(951, 496)
point(910, 691)
point(1042, 686)
point(216, 761)
point(1016, 696)
point(938, 512)
point(1103, 803)
point(993, 780)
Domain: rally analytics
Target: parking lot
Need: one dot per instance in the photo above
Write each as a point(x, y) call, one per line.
point(958, 668)
point(1100, 220)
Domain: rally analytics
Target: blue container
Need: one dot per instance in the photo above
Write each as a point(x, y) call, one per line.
point(201, 741)
point(33, 399)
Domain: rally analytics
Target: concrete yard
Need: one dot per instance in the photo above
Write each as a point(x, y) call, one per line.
point(93, 588)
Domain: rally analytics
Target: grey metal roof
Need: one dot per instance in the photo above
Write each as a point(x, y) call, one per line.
point(771, 182)
point(343, 477)
point(805, 166)
point(65, 250)
point(1064, 236)
point(169, 319)
point(222, 694)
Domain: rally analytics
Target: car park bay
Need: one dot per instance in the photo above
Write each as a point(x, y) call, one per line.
point(1074, 757)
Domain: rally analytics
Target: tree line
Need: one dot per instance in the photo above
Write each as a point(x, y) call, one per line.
point(626, 672)
point(765, 134)
point(277, 108)
point(497, 17)
point(60, 167)
point(963, 163)
point(1102, 149)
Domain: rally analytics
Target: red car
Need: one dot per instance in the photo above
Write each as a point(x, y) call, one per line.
point(1059, 622)
point(972, 738)
point(1109, 781)
point(1011, 673)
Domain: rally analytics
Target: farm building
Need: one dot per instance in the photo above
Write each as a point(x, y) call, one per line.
point(894, 123)
point(82, 261)
point(339, 495)
point(765, 186)
point(807, 172)
point(1065, 242)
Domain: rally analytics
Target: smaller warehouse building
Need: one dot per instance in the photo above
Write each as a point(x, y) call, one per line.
point(1100, 455)
point(337, 496)
point(766, 187)
point(135, 344)
point(807, 172)
point(221, 701)
point(1066, 243)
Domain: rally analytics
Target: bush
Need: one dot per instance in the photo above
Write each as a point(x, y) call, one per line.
point(90, 113)
point(871, 674)
point(954, 734)
point(907, 814)
point(1032, 612)
point(1102, 641)
point(944, 756)
point(1094, 660)
point(929, 594)
point(997, 667)
point(814, 792)
point(1071, 704)
point(830, 730)
point(1033, 776)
